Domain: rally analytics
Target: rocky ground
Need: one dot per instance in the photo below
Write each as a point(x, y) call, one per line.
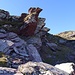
point(25, 38)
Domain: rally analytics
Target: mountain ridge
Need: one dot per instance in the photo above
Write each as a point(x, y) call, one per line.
point(69, 35)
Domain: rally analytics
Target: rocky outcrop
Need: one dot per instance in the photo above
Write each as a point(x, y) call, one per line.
point(25, 38)
point(57, 50)
point(17, 50)
point(32, 23)
point(33, 52)
point(26, 24)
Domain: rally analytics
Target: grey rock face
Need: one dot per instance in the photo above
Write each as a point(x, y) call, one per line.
point(14, 47)
point(4, 14)
point(18, 49)
point(12, 40)
point(40, 24)
point(33, 52)
point(35, 40)
point(5, 44)
point(61, 41)
point(53, 46)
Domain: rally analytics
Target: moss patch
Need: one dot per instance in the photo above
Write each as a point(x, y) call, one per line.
point(3, 60)
point(15, 25)
point(58, 56)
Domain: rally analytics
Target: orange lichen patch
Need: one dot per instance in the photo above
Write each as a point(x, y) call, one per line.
point(29, 30)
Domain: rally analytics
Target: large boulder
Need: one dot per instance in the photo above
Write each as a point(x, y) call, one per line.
point(33, 68)
point(39, 68)
point(53, 46)
point(33, 52)
point(26, 24)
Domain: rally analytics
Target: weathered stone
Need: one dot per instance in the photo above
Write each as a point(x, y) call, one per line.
point(9, 71)
point(14, 18)
point(32, 26)
point(4, 14)
point(23, 15)
point(40, 68)
point(12, 44)
point(33, 52)
point(41, 30)
point(39, 27)
point(36, 41)
point(4, 44)
point(29, 30)
point(2, 35)
point(27, 24)
point(11, 35)
point(35, 11)
point(23, 52)
point(41, 20)
point(53, 46)
point(16, 40)
point(41, 33)
point(31, 20)
point(45, 29)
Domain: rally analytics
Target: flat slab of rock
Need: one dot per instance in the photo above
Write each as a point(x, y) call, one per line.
point(33, 52)
point(9, 71)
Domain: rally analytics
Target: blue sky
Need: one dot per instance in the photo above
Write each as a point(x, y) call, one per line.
point(59, 14)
